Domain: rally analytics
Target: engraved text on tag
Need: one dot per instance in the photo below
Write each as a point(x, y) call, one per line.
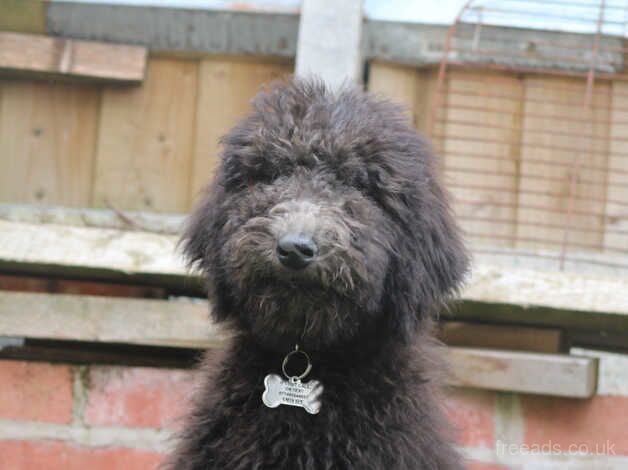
point(292, 392)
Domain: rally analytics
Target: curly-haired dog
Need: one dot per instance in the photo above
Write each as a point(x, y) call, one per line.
point(325, 230)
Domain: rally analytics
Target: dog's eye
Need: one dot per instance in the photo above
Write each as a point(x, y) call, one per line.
point(359, 180)
point(250, 180)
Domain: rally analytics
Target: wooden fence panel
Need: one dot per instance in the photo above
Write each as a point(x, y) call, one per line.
point(557, 132)
point(47, 142)
point(412, 88)
point(616, 233)
point(509, 144)
point(146, 139)
point(478, 128)
point(398, 83)
point(226, 87)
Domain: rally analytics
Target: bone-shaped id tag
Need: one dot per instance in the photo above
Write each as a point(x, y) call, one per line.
point(291, 391)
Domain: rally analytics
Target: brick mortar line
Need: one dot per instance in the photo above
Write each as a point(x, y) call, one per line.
point(80, 391)
point(530, 461)
point(508, 418)
point(160, 441)
point(96, 437)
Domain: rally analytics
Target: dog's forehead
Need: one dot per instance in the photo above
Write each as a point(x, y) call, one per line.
point(353, 135)
point(320, 138)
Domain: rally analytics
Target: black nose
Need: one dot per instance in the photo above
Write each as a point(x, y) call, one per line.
point(296, 251)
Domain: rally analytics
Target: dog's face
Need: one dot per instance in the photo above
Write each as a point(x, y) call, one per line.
point(324, 221)
point(305, 253)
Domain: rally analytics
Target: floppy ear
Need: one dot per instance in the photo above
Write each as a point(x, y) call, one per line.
point(429, 264)
point(430, 260)
point(442, 254)
point(197, 233)
point(201, 241)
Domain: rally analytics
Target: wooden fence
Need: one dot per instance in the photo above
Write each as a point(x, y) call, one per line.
point(149, 147)
point(508, 141)
point(154, 146)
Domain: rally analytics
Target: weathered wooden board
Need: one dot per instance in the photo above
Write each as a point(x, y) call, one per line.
point(408, 86)
point(146, 140)
point(576, 292)
point(616, 228)
point(478, 129)
point(167, 224)
point(562, 137)
point(426, 103)
point(577, 300)
point(90, 252)
point(398, 83)
point(612, 370)
point(515, 338)
point(238, 30)
point(185, 323)
point(45, 57)
point(47, 142)
point(181, 323)
point(23, 16)
point(226, 87)
point(546, 374)
point(82, 287)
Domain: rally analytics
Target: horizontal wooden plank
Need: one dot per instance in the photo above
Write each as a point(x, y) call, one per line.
point(163, 223)
point(494, 294)
point(172, 28)
point(65, 317)
point(612, 371)
point(558, 289)
point(44, 56)
point(185, 323)
point(546, 298)
point(516, 338)
point(81, 352)
point(546, 374)
point(82, 287)
point(90, 252)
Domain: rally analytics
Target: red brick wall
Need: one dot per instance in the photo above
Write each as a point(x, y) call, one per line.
point(62, 417)
point(510, 431)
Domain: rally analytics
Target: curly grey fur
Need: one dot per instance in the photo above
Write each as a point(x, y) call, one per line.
point(347, 169)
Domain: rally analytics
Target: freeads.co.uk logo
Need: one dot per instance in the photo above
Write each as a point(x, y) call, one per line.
point(554, 448)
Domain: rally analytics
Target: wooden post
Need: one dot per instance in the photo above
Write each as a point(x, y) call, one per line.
point(329, 47)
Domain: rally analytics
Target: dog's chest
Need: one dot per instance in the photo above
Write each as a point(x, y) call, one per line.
point(348, 431)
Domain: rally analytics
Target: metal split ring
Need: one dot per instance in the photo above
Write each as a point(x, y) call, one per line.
point(285, 363)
